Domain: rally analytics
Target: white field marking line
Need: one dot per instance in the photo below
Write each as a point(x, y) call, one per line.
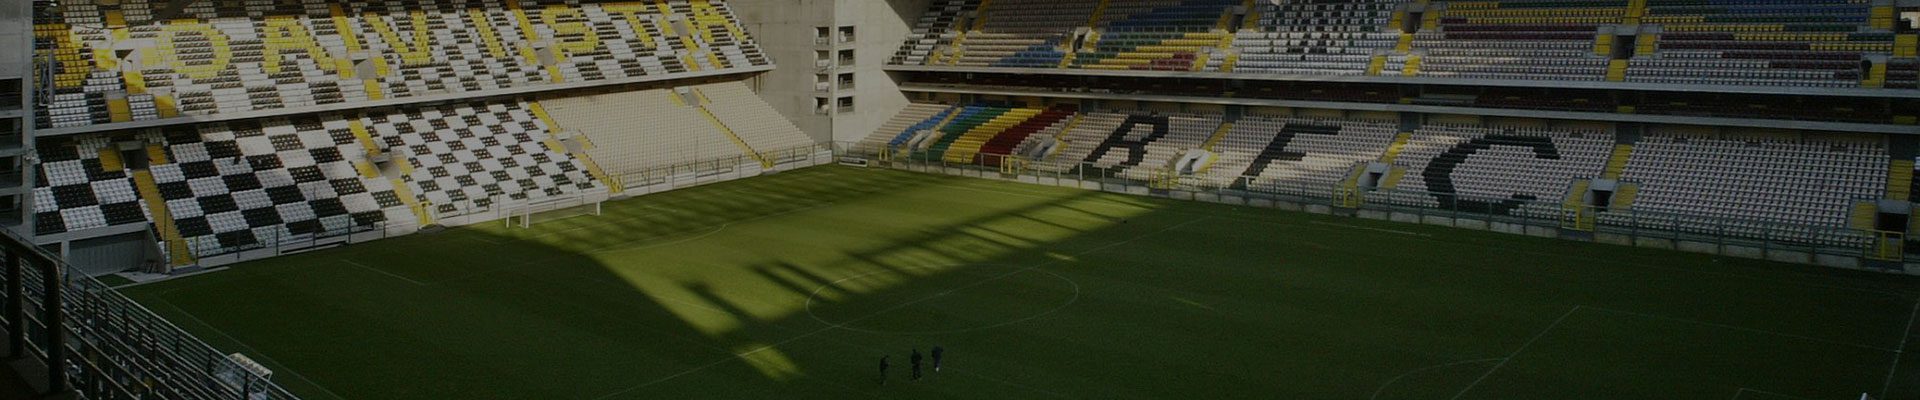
point(1744, 329)
point(613, 221)
point(710, 308)
point(1516, 352)
point(1069, 303)
point(256, 352)
point(1258, 220)
point(743, 355)
point(1736, 395)
point(1389, 383)
point(1904, 335)
point(1408, 233)
point(365, 267)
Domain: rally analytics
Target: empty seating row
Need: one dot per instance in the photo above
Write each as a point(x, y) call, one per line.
point(757, 123)
point(1764, 187)
point(1317, 37)
point(79, 189)
point(1293, 155)
point(1510, 171)
point(1813, 43)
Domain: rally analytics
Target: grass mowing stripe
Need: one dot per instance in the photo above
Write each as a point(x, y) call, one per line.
point(884, 311)
point(1516, 352)
point(1745, 329)
point(1264, 219)
point(1354, 310)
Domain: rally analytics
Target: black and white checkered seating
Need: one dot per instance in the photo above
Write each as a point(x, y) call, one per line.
point(475, 46)
point(74, 193)
point(249, 184)
point(470, 158)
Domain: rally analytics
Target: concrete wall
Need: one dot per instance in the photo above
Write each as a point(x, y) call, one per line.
point(785, 29)
point(883, 27)
point(16, 29)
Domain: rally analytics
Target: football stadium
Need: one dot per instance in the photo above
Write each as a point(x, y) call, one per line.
point(959, 199)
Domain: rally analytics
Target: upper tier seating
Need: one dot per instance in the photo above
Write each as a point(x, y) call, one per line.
point(1762, 187)
point(1818, 43)
point(115, 63)
point(1317, 37)
point(1169, 35)
point(1024, 33)
point(934, 33)
point(78, 190)
point(1296, 155)
point(1507, 171)
point(1517, 39)
point(1698, 183)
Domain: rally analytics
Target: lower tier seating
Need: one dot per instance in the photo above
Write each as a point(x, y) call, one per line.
point(1798, 187)
point(1510, 171)
point(1765, 186)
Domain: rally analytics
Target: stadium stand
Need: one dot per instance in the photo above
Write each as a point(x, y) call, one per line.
point(1516, 39)
point(1497, 170)
point(1177, 35)
point(464, 159)
point(1807, 43)
point(638, 131)
point(758, 125)
point(1023, 33)
point(1295, 155)
point(84, 185)
point(1705, 179)
point(1798, 43)
point(116, 63)
point(1673, 178)
point(236, 186)
point(1318, 37)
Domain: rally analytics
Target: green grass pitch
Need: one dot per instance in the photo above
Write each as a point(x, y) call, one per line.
point(794, 285)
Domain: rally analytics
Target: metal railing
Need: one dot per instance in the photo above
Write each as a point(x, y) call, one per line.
point(102, 345)
point(1630, 226)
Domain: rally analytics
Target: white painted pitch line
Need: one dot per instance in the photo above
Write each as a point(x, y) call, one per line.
point(1897, 352)
point(1393, 231)
point(1389, 383)
point(365, 267)
point(1516, 352)
point(1745, 329)
point(1539, 253)
point(744, 354)
point(254, 352)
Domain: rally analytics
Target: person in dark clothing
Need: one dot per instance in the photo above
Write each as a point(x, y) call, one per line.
point(915, 360)
point(936, 357)
point(883, 370)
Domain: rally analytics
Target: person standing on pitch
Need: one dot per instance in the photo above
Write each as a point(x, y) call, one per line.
point(936, 357)
point(883, 370)
point(915, 360)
